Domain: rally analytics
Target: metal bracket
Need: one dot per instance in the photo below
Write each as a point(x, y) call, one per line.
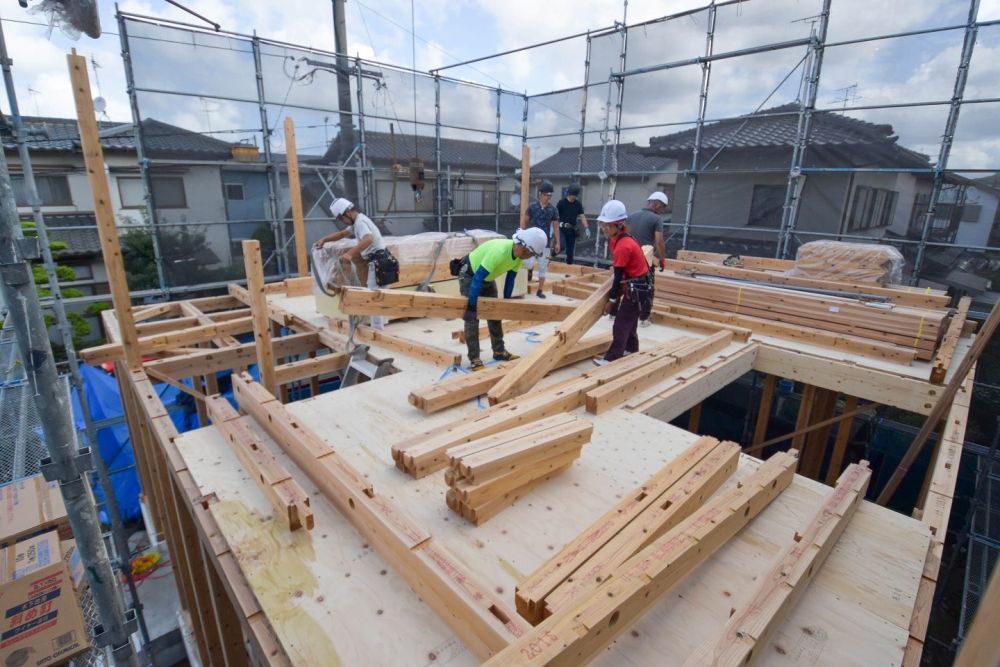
point(130, 625)
point(53, 471)
point(28, 248)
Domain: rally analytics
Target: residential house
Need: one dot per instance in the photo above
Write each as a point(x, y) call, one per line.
point(639, 174)
point(471, 172)
point(857, 181)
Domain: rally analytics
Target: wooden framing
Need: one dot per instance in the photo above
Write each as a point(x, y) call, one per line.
point(757, 620)
point(942, 360)
point(357, 301)
point(366, 334)
point(477, 616)
point(577, 634)
point(295, 194)
point(764, 409)
point(544, 358)
point(258, 306)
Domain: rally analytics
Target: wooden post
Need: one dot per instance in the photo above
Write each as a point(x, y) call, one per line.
point(824, 405)
point(802, 421)
point(258, 307)
point(525, 179)
point(943, 404)
point(295, 193)
point(694, 418)
point(764, 411)
point(840, 445)
point(93, 158)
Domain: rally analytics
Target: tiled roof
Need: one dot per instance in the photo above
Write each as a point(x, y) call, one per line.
point(855, 141)
point(630, 158)
point(83, 242)
point(457, 153)
point(162, 140)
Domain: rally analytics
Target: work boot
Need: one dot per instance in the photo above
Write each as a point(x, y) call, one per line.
point(644, 323)
point(505, 356)
point(476, 365)
point(600, 361)
point(540, 294)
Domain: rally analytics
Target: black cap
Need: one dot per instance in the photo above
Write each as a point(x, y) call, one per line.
point(546, 188)
point(573, 190)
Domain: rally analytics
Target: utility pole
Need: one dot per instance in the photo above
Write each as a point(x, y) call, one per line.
point(65, 463)
point(346, 138)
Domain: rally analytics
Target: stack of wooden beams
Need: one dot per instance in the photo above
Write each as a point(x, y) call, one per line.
point(917, 329)
point(486, 475)
point(666, 499)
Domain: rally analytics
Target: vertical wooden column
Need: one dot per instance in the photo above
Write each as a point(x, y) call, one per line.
point(258, 309)
point(805, 410)
point(694, 418)
point(840, 445)
point(824, 405)
point(764, 411)
point(93, 157)
point(525, 179)
point(295, 193)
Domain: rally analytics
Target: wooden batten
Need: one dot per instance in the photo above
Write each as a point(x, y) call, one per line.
point(357, 301)
point(295, 194)
point(258, 306)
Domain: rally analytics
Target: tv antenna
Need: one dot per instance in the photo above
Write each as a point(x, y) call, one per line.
point(848, 94)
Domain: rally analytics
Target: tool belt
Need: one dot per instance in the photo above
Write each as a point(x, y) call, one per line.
point(640, 291)
point(455, 265)
point(386, 267)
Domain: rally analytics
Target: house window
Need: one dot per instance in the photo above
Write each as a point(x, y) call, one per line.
point(52, 190)
point(872, 208)
point(168, 192)
point(234, 191)
point(971, 212)
point(766, 205)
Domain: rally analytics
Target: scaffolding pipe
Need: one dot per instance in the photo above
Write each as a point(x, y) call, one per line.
point(437, 149)
point(796, 182)
point(65, 333)
point(622, 55)
point(65, 463)
point(273, 184)
point(496, 187)
point(140, 150)
point(583, 105)
point(968, 45)
point(766, 48)
point(706, 72)
point(363, 171)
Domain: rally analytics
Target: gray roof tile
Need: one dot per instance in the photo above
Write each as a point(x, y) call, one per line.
point(630, 158)
point(458, 153)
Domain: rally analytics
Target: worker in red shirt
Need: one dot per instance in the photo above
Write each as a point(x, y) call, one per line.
point(630, 297)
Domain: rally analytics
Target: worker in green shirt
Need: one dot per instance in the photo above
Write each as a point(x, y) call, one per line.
point(477, 277)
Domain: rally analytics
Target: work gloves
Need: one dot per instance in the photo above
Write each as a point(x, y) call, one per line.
point(470, 315)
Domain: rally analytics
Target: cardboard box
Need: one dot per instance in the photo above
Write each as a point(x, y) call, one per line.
point(41, 619)
point(27, 556)
point(28, 506)
point(71, 557)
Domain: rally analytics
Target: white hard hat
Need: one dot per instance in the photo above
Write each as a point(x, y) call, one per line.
point(533, 239)
point(660, 197)
point(340, 206)
point(613, 211)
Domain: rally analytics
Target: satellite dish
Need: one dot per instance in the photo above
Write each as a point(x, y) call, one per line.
point(100, 105)
point(515, 199)
point(972, 194)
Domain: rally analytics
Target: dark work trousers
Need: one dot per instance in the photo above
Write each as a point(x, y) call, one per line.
point(472, 328)
point(568, 237)
point(652, 289)
point(624, 337)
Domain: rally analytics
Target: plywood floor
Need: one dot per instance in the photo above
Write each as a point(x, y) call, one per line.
point(332, 600)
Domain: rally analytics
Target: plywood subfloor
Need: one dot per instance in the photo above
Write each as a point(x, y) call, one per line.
point(332, 600)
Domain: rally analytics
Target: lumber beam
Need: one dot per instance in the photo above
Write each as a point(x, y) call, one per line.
point(579, 633)
point(290, 502)
point(393, 303)
point(159, 310)
point(533, 589)
point(304, 369)
point(756, 621)
point(258, 308)
point(676, 504)
point(295, 194)
point(533, 367)
point(849, 378)
point(469, 607)
point(107, 229)
point(508, 325)
point(607, 396)
point(942, 360)
point(435, 355)
point(214, 360)
point(747, 261)
point(167, 341)
point(440, 395)
point(694, 387)
point(764, 409)
point(943, 404)
point(809, 429)
point(917, 298)
point(843, 436)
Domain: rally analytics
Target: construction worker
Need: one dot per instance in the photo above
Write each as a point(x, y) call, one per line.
point(369, 238)
point(646, 227)
point(477, 277)
point(541, 214)
point(570, 214)
point(630, 296)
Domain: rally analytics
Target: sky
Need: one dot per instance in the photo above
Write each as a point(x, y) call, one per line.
point(911, 69)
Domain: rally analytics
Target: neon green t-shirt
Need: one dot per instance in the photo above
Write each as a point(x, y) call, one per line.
point(496, 257)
